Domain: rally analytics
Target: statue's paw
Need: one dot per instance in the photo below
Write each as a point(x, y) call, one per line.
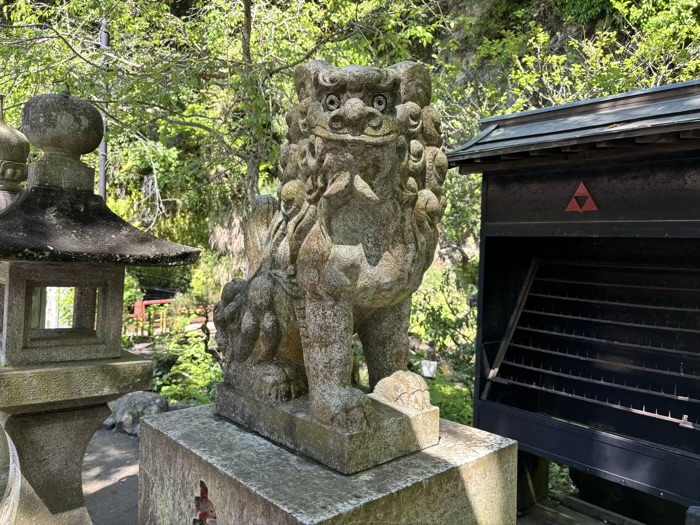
point(277, 382)
point(346, 408)
point(296, 379)
point(405, 389)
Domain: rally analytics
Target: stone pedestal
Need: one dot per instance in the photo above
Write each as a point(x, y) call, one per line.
point(394, 431)
point(469, 478)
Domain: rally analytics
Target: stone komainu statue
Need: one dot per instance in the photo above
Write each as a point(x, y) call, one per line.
point(343, 249)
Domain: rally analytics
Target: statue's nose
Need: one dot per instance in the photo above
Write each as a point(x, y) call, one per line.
point(352, 115)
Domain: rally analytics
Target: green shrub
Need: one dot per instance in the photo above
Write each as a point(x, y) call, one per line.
point(184, 371)
point(454, 400)
point(560, 483)
point(443, 318)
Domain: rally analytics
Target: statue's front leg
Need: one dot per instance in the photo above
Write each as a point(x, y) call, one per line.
point(328, 359)
point(384, 337)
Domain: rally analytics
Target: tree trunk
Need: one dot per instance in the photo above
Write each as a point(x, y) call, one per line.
point(247, 30)
point(253, 172)
point(251, 179)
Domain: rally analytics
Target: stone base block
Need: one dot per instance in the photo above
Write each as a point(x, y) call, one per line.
point(469, 478)
point(57, 386)
point(32, 511)
point(393, 433)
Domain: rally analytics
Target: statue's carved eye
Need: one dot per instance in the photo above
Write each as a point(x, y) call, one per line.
point(379, 103)
point(332, 102)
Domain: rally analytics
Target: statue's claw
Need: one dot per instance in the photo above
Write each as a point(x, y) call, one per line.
point(276, 381)
point(347, 408)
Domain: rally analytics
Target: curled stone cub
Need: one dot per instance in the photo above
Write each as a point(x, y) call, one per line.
point(343, 248)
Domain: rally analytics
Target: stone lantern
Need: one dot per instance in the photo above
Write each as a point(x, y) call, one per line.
point(14, 150)
point(63, 254)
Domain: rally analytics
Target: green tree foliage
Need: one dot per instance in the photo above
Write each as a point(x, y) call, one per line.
point(184, 371)
point(637, 45)
point(195, 92)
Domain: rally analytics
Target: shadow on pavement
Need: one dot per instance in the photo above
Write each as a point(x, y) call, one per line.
point(110, 478)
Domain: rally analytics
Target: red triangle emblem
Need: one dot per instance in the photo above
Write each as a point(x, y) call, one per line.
point(582, 191)
point(589, 205)
point(582, 201)
point(573, 205)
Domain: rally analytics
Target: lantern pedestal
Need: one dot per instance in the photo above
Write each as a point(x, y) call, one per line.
point(50, 448)
point(50, 412)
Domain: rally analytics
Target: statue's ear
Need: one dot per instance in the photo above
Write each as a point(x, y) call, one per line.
point(415, 83)
point(305, 77)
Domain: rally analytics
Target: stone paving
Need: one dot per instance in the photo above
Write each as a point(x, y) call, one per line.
point(110, 478)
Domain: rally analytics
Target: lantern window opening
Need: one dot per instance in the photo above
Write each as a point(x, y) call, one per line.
point(59, 311)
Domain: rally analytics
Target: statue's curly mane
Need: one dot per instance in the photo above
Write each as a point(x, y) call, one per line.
point(418, 179)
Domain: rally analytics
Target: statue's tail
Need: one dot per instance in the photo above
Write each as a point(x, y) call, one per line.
point(228, 316)
point(258, 232)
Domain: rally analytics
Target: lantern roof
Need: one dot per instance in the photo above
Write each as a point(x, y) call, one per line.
point(54, 224)
point(58, 217)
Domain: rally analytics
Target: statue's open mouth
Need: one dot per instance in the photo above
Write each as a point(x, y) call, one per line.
point(363, 138)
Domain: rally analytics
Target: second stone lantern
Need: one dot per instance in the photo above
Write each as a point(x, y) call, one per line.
point(63, 254)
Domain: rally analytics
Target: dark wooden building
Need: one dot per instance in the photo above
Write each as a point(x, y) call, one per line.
point(589, 291)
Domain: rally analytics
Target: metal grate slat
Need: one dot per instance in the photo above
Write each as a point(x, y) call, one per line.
point(620, 338)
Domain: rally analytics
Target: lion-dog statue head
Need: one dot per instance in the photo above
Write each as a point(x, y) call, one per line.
point(343, 248)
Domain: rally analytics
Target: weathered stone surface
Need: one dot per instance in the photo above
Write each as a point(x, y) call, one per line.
point(83, 229)
point(58, 218)
point(343, 250)
point(17, 489)
point(33, 511)
point(10, 480)
point(55, 386)
point(25, 345)
point(128, 410)
point(55, 381)
point(64, 128)
point(393, 431)
point(50, 447)
point(61, 123)
point(468, 479)
point(14, 150)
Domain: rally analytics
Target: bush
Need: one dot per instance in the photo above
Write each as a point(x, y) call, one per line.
point(560, 484)
point(443, 318)
point(184, 371)
point(455, 401)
